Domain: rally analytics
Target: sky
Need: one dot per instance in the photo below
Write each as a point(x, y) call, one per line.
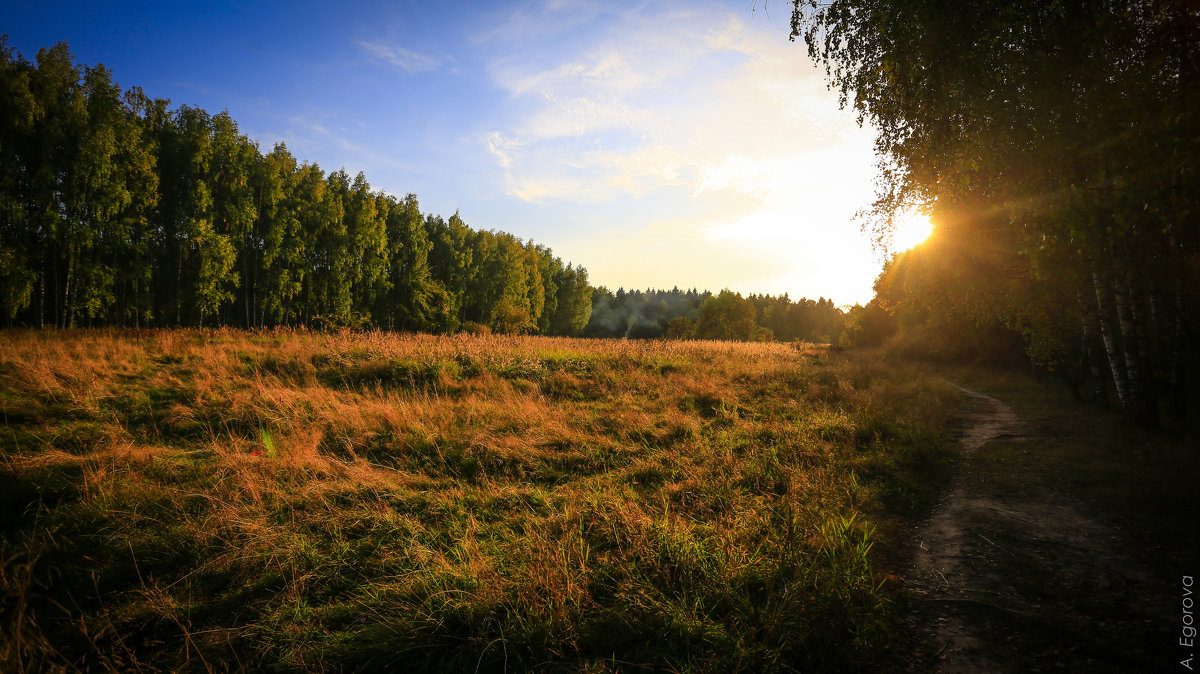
point(678, 143)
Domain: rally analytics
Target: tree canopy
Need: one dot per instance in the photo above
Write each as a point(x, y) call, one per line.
point(1056, 144)
point(116, 209)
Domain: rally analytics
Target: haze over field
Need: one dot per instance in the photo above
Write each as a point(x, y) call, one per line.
point(658, 144)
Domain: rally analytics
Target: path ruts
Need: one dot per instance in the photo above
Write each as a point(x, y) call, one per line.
point(1010, 577)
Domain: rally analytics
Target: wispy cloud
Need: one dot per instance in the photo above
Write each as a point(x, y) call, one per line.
point(501, 148)
point(665, 94)
point(697, 102)
point(540, 21)
point(405, 59)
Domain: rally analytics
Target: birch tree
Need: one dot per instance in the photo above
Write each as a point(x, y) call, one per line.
point(1065, 130)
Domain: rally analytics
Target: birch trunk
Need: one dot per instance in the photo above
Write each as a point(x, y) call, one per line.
point(1090, 329)
point(1140, 404)
point(1120, 288)
point(42, 291)
point(1104, 321)
point(1147, 391)
point(179, 288)
point(68, 287)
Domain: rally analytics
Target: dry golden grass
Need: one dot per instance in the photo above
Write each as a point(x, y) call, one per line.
point(322, 501)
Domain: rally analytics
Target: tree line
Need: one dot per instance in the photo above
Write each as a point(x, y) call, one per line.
point(120, 210)
point(1056, 145)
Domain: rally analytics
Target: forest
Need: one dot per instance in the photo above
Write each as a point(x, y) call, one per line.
point(122, 211)
point(1056, 146)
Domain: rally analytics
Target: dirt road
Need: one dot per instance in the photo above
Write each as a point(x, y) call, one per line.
point(1012, 578)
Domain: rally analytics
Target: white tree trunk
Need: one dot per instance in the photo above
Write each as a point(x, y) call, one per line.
point(1115, 363)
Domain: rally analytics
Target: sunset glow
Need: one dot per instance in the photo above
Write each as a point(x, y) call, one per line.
point(911, 231)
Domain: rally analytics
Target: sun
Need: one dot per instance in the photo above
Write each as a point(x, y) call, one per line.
point(911, 230)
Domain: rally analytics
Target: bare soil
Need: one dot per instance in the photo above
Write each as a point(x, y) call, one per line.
point(1008, 576)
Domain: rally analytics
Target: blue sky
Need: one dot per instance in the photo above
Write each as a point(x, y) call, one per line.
point(657, 144)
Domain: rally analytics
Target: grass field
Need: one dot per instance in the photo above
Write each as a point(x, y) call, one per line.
point(223, 500)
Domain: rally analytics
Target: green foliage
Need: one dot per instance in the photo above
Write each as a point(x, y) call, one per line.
point(1056, 146)
point(412, 300)
point(573, 301)
point(680, 327)
point(118, 210)
point(726, 316)
point(281, 271)
point(870, 325)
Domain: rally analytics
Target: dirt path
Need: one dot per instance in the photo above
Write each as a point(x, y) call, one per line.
point(1011, 578)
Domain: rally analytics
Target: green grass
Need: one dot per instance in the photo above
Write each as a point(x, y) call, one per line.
point(290, 501)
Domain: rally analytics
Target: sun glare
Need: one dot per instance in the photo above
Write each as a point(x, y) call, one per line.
point(911, 231)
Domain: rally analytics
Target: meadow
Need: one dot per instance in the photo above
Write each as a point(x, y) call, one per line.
point(186, 500)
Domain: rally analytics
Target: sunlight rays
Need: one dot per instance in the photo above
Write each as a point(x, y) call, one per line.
point(912, 229)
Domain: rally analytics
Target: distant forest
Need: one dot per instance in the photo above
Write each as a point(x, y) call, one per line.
point(685, 315)
point(118, 210)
